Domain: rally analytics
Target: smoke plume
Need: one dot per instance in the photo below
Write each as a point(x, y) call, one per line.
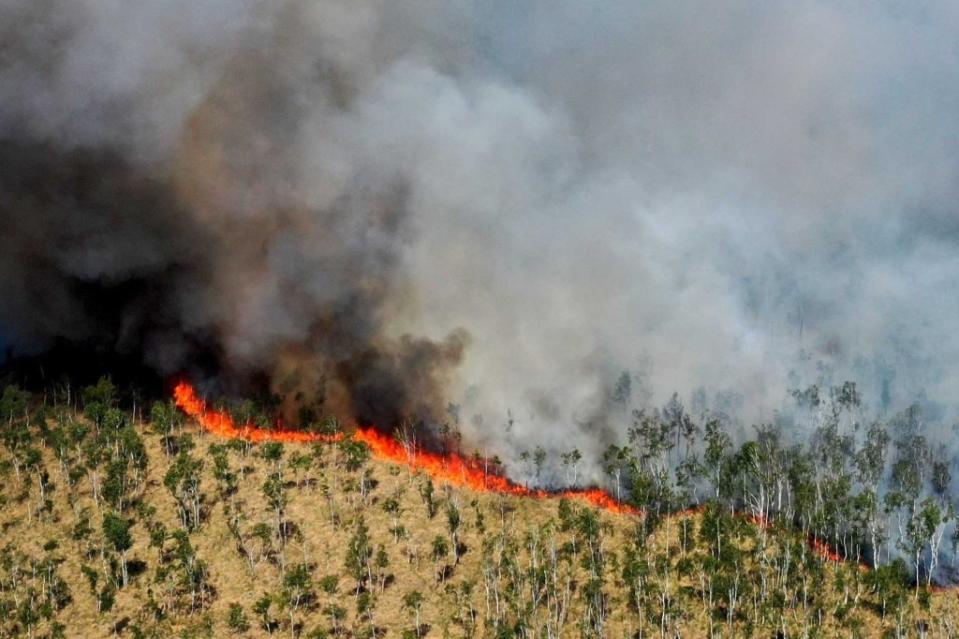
point(391, 206)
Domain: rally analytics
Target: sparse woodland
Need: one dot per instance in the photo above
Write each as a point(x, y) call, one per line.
point(119, 519)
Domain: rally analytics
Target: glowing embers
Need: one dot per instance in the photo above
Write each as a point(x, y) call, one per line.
point(453, 468)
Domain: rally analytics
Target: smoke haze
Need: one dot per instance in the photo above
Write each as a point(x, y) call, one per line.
point(503, 205)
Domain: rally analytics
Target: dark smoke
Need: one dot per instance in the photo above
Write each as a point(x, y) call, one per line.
point(405, 374)
point(201, 247)
point(728, 201)
point(93, 253)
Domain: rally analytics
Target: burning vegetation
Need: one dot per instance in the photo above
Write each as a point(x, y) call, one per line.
point(477, 475)
point(409, 230)
point(153, 528)
point(473, 473)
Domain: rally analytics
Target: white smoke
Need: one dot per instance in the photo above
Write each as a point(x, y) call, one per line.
point(743, 197)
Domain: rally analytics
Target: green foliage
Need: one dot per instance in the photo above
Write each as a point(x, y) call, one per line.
point(439, 548)
point(329, 426)
point(356, 453)
point(182, 479)
point(237, 620)
point(329, 584)
point(890, 583)
point(106, 598)
point(520, 569)
point(272, 452)
point(452, 518)
point(99, 400)
point(566, 513)
point(262, 610)
point(413, 601)
point(92, 577)
point(115, 485)
point(274, 490)
point(359, 552)
point(226, 478)
point(13, 403)
point(116, 530)
point(297, 584)
point(427, 492)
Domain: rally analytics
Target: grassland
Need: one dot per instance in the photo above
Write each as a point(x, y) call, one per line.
point(228, 539)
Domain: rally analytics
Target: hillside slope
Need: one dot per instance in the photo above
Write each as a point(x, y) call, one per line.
point(110, 526)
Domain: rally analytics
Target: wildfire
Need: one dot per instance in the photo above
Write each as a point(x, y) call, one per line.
point(452, 468)
point(819, 546)
point(221, 424)
point(824, 550)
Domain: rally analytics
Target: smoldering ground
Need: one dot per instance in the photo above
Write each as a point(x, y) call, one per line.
point(741, 199)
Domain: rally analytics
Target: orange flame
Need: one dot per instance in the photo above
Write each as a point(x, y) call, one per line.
point(820, 546)
point(453, 468)
point(221, 424)
point(824, 550)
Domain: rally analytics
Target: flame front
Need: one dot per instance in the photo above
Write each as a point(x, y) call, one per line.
point(221, 424)
point(824, 550)
point(453, 468)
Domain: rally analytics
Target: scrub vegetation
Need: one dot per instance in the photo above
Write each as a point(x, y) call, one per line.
point(123, 520)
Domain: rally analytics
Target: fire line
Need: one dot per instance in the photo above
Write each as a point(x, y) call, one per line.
point(452, 468)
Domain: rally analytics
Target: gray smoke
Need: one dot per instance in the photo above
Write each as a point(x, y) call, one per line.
point(741, 198)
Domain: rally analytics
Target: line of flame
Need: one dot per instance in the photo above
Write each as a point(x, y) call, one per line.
point(452, 468)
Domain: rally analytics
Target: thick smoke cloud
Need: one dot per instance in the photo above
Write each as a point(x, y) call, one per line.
point(499, 205)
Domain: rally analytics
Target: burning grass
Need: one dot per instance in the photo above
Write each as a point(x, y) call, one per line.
point(452, 468)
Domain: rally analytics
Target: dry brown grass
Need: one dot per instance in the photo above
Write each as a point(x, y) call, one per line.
point(323, 541)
